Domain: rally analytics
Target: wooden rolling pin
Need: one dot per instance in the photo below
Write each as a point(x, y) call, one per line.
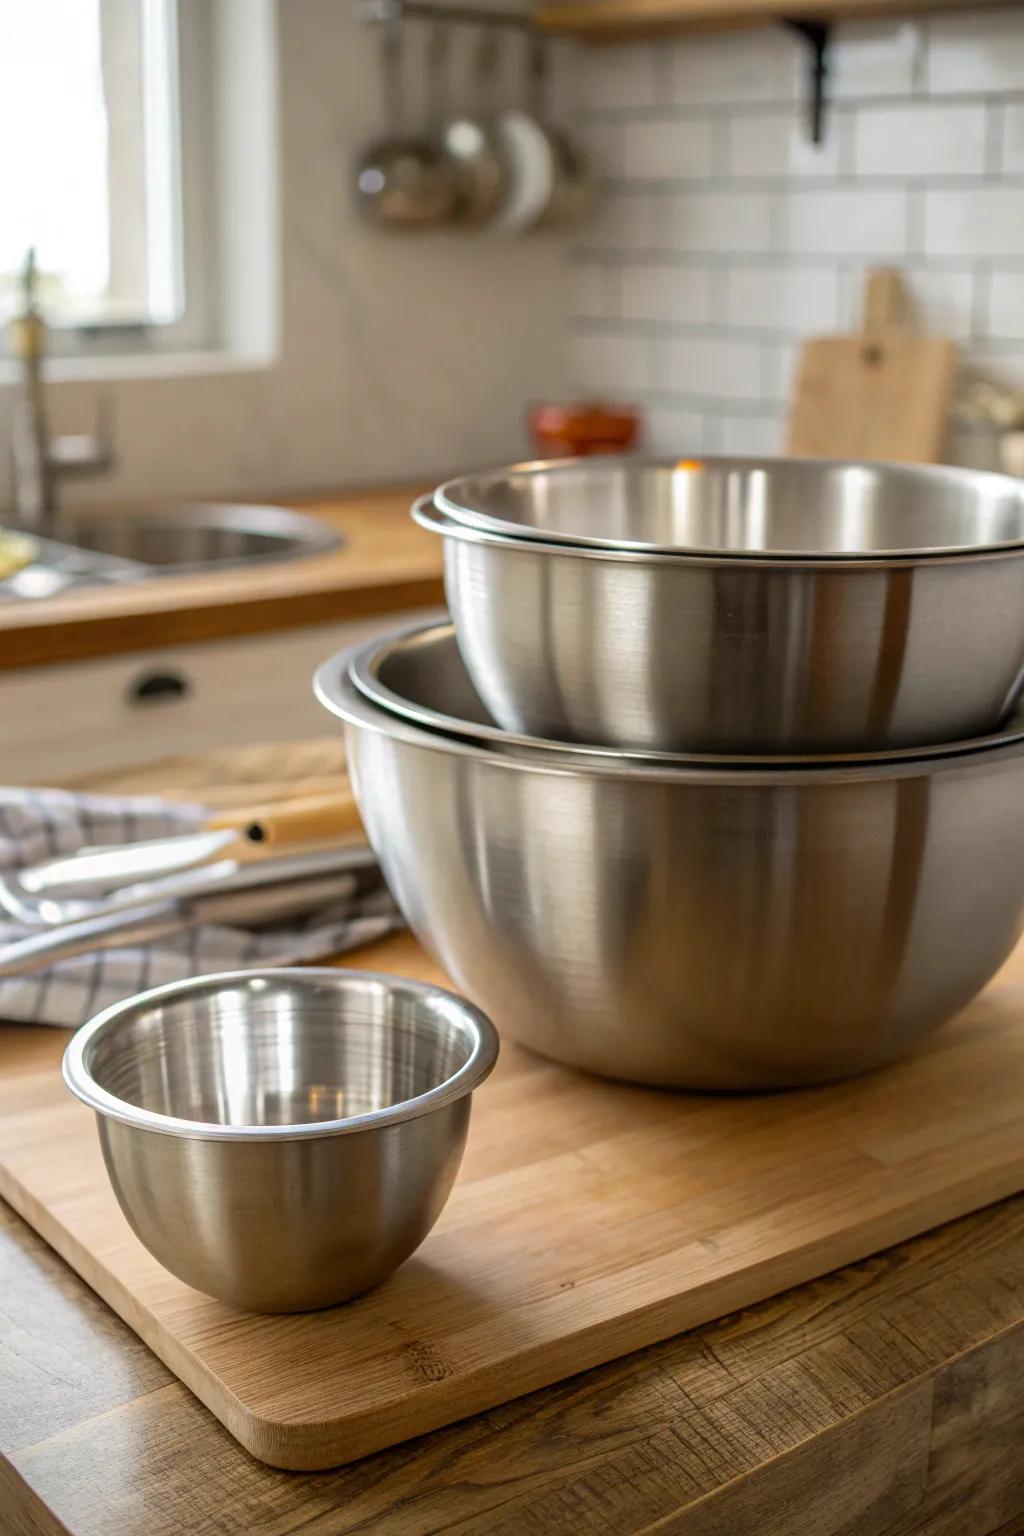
point(310, 819)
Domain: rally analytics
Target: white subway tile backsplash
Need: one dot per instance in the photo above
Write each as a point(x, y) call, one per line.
point(1004, 316)
point(694, 298)
point(667, 148)
point(975, 50)
point(778, 370)
point(611, 362)
point(626, 221)
point(672, 432)
point(779, 298)
point(925, 139)
point(875, 58)
point(713, 367)
point(1012, 145)
point(777, 144)
point(748, 436)
point(941, 299)
point(743, 67)
point(617, 79)
point(842, 222)
point(719, 222)
point(975, 221)
point(594, 291)
point(604, 146)
point(665, 292)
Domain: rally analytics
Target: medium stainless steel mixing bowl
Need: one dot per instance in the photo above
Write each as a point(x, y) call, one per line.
point(284, 1139)
point(696, 927)
point(418, 673)
point(792, 509)
point(729, 655)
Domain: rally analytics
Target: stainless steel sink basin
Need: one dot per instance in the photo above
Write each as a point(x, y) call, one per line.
point(85, 548)
point(196, 535)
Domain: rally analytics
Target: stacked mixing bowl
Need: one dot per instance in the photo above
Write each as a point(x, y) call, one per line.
point(715, 780)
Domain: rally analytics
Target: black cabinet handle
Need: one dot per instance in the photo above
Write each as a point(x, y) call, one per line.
point(159, 688)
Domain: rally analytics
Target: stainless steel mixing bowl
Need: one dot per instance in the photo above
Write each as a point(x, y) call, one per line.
point(790, 509)
point(283, 1139)
point(418, 673)
point(729, 655)
point(696, 927)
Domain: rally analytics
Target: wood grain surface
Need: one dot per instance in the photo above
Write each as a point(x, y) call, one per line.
point(885, 394)
point(606, 20)
point(590, 1219)
point(386, 564)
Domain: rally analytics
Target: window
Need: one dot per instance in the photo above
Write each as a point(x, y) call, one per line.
point(104, 111)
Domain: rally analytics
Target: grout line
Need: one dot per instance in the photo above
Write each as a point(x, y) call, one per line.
point(980, 307)
point(995, 138)
point(922, 53)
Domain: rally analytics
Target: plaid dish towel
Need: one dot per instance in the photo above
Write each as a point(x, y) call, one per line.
point(40, 824)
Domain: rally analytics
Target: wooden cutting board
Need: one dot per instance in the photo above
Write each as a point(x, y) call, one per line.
point(884, 394)
point(590, 1219)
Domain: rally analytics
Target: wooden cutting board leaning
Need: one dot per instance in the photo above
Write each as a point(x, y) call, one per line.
point(883, 394)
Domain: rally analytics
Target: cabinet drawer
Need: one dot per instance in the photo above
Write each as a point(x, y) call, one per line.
point(80, 717)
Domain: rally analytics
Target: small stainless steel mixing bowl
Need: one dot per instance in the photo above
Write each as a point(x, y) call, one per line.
point(700, 927)
point(284, 1139)
point(731, 654)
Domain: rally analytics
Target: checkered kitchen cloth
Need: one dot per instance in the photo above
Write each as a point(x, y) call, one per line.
point(46, 823)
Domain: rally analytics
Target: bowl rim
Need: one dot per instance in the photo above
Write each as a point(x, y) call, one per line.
point(479, 1064)
point(465, 522)
point(334, 688)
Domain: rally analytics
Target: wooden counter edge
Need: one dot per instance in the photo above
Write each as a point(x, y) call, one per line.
point(773, 1403)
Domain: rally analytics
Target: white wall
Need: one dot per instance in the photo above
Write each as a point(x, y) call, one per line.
point(726, 236)
point(399, 357)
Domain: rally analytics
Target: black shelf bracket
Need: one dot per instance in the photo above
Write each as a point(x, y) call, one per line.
point(817, 35)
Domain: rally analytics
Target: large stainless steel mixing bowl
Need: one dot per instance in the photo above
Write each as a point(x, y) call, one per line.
point(790, 509)
point(284, 1139)
point(703, 928)
point(725, 655)
point(418, 673)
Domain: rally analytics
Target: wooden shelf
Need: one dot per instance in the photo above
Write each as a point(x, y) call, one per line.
point(606, 20)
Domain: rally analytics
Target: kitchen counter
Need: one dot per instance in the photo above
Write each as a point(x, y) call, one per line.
point(387, 564)
point(883, 1400)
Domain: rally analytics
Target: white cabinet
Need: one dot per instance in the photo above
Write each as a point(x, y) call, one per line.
point(78, 717)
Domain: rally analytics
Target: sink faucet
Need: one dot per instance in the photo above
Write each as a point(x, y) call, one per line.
point(37, 460)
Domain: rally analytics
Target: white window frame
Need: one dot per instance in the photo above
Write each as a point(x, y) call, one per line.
point(230, 248)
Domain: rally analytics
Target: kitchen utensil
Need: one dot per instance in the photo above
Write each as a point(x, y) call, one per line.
point(588, 1220)
point(283, 1140)
point(263, 902)
point(581, 428)
point(418, 674)
point(473, 146)
point(240, 833)
point(707, 928)
point(885, 394)
point(402, 182)
point(725, 655)
point(729, 508)
point(531, 160)
point(571, 193)
point(219, 875)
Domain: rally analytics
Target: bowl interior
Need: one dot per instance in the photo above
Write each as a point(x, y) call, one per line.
point(276, 1051)
point(761, 507)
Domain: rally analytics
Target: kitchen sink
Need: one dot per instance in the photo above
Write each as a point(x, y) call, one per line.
point(85, 548)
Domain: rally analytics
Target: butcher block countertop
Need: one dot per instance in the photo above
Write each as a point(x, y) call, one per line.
point(883, 1400)
point(386, 564)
